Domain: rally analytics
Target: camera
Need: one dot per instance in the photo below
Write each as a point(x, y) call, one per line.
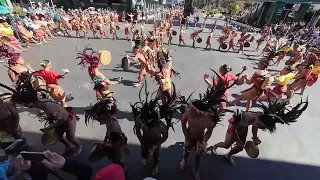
point(16, 147)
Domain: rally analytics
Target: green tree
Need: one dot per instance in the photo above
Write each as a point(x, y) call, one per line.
point(188, 8)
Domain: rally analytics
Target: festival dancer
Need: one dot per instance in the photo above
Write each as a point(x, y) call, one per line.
point(259, 82)
point(208, 46)
point(266, 120)
point(9, 119)
point(164, 76)
point(114, 144)
point(241, 43)
point(142, 58)
point(17, 66)
point(126, 30)
point(231, 41)
point(65, 27)
point(59, 119)
point(113, 30)
point(280, 90)
point(307, 77)
point(94, 28)
point(221, 40)
point(169, 34)
point(227, 77)
point(147, 116)
point(100, 81)
point(194, 36)
point(134, 31)
point(181, 36)
point(100, 28)
point(51, 78)
point(203, 114)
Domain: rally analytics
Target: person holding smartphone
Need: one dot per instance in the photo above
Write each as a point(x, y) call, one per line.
point(39, 165)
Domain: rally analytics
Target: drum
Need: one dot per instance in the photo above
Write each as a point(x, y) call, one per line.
point(267, 82)
point(224, 46)
point(125, 64)
point(251, 149)
point(118, 28)
point(39, 83)
point(246, 44)
point(174, 33)
point(199, 40)
point(105, 57)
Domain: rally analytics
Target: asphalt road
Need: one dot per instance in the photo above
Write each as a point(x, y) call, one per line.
point(291, 153)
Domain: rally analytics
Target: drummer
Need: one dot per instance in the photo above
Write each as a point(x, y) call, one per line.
point(194, 36)
point(221, 40)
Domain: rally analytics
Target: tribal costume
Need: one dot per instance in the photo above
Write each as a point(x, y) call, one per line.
point(147, 115)
point(92, 58)
point(204, 114)
point(275, 112)
point(115, 142)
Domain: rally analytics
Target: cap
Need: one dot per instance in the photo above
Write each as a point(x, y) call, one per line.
point(112, 172)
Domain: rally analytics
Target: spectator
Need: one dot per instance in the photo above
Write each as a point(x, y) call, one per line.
point(112, 172)
point(53, 161)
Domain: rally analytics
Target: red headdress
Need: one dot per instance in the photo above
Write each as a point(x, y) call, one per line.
point(88, 57)
point(13, 57)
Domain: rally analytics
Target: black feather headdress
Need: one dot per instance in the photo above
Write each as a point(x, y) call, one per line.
point(147, 112)
point(25, 93)
point(280, 112)
point(101, 110)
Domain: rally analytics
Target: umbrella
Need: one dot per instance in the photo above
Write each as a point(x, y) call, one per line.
point(4, 10)
point(36, 11)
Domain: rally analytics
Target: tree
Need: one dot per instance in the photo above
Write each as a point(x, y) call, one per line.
point(188, 7)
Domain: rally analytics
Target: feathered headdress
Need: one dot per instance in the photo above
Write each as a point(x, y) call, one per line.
point(149, 112)
point(88, 56)
point(280, 112)
point(105, 107)
point(209, 102)
point(25, 93)
point(272, 54)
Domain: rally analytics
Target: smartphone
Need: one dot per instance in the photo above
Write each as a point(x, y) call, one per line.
point(32, 156)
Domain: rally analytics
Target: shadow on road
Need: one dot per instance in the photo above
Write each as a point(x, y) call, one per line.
point(211, 166)
point(124, 115)
point(121, 70)
point(128, 82)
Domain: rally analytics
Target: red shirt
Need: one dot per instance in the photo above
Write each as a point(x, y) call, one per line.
point(228, 78)
point(49, 76)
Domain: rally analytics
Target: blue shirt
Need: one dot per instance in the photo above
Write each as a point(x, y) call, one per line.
point(3, 169)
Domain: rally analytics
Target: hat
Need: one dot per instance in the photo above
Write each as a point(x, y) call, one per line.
point(112, 172)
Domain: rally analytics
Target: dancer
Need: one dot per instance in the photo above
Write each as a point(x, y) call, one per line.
point(227, 77)
point(194, 36)
point(208, 46)
point(203, 114)
point(181, 36)
point(150, 130)
point(273, 113)
point(17, 66)
point(101, 82)
point(51, 78)
point(114, 144)
point(259, 82)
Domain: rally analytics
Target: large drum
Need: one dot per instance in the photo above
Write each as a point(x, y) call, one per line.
point(199, 40)
point(246, 44)
point(174, 33)
point(251, 149)
point(125, 64)
point(224, 46)
point(267, 82)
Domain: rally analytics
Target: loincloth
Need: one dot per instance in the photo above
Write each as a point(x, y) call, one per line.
point(193, 142)
point(56, 92)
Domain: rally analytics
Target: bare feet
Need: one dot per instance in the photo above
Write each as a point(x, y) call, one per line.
point(183, 165)
point(230, 160)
